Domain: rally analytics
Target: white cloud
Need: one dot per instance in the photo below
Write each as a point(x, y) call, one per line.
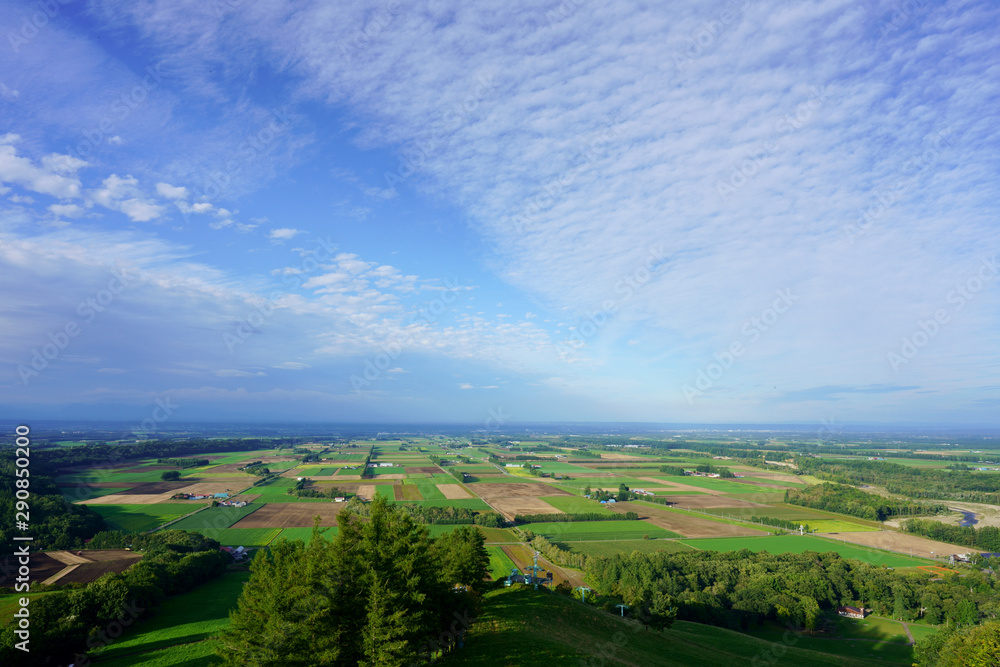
point(55, 179)
point(283, 234)
point(67, 210)
point(232, 373)
point(168, 191)
point(292, 365)
point(116, 140)
point(122, 194)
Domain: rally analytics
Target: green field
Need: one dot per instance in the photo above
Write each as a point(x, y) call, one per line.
point(800, 543)
point(138, 518)
point(603, 549)
point(216, 517)
point(430, 491)
point(178, 632)
point(243, 537)
point(500, 563)
point(576, 531)
point(304, 534)
point(834, 526)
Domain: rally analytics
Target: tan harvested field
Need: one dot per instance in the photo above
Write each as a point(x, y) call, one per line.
point(291, 515)
point(453, 491)
point(700, 502)
point(688, 526)
point(767, 474)
point(68, 557)
point(88, 567)
point(523, 505)
point(901, 542)
point(516, 490)
point(151, 494)
point(681, 487)
point(366, 491)
point(750, 482)
point(397, 493)
point(393, 475)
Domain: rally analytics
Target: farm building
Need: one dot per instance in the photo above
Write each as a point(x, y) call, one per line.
point(852, 612)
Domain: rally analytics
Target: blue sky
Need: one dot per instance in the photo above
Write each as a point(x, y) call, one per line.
point(701, 212)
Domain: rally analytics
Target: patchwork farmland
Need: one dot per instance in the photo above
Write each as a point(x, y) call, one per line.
point(522, 501)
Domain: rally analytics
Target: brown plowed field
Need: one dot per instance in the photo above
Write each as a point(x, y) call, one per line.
point(688, 526)
point(424, 469)
point(700, 502)
point(516, 490)
point(901, 542)
point(291, 515)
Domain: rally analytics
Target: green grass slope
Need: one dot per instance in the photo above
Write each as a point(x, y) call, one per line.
point(519, 626)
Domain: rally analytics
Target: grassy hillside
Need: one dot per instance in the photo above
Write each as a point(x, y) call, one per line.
point(519, 626)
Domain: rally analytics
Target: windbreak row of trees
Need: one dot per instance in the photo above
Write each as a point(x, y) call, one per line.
point(381, 593)
point(855, 502)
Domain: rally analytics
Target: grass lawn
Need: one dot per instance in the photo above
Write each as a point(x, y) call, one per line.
point(138, 518)
point(777, 544)
point(175, 634)
point(586, 531)
point(520, 626)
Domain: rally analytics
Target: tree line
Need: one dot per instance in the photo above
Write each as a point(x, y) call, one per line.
point(855, 502)
point(737, 589)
